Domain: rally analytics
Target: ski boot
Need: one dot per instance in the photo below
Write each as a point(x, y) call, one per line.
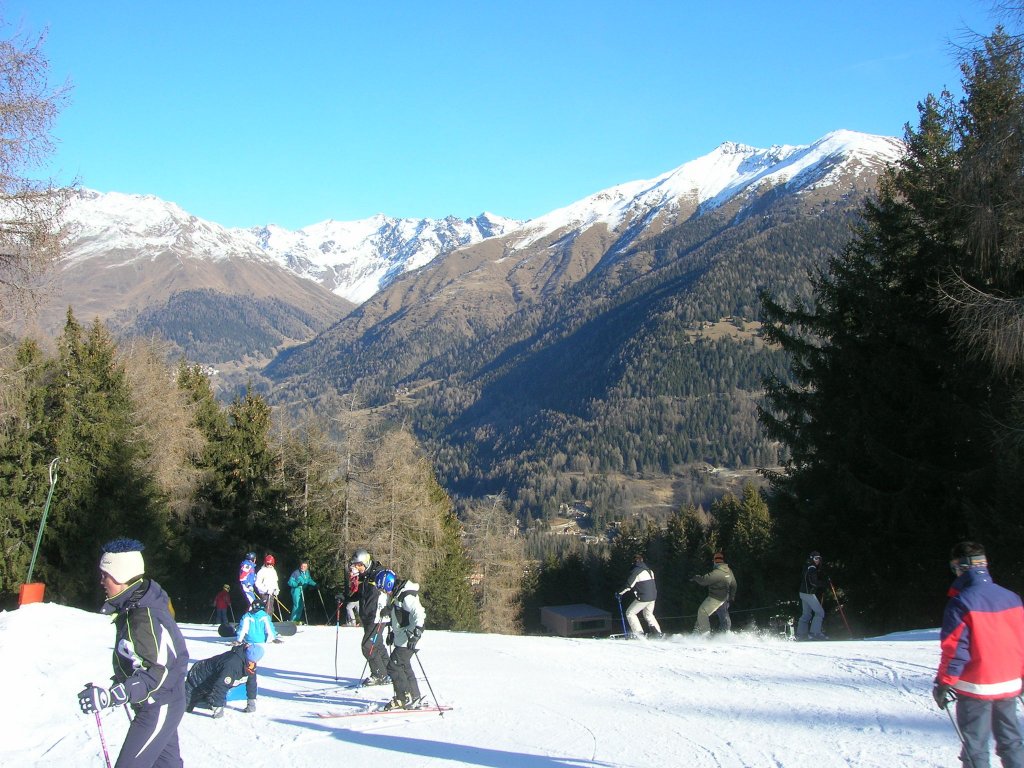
point(250, 705)
point(218, 712)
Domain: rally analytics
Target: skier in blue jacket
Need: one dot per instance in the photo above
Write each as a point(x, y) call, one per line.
point(256, 626)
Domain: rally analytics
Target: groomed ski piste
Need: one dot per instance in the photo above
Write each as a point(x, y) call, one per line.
point(518, 702)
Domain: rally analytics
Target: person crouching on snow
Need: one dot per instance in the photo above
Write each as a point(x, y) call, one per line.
point(209, 681)
point(407, 619)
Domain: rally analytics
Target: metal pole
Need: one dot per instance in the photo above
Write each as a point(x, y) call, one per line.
point(622, 616)
point(103, 739)
point(429, 686)
point(959, 733)
point(42, 523)
point(839, 605)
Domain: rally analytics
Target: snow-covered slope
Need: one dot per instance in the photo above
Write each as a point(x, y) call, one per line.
point(710, 181)
point(519, 702)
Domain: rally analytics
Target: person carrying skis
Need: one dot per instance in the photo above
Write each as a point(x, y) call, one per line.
point(407, 619)
point(299, 580)
point(372, 602)
point(982, 642)
point(721, 584)
point(150, 659)
point(268, 586)
point(256, 626)
point(209, 681)
point(247, 577)
point(221, 605)
point(811, 583)
point(640, 583)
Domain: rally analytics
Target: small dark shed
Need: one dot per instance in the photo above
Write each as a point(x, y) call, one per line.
point(577, 620)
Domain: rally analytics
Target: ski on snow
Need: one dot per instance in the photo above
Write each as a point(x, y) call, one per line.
point(382, 712)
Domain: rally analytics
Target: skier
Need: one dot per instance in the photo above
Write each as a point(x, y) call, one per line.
point(811, 583)
point(221, 605)
point(300, 579)
point(247, 577)
point(150, 659)
point(256, 626)
point(268, 586)
point(372, 602)
point(407, 619)
point(721, 586)
point(982, 641)
point(352, 604)
point(209, 681)
point(640, 583)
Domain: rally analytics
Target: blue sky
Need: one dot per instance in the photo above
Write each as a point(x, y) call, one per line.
point(248, 113)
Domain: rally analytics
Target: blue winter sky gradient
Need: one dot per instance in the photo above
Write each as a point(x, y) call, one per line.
point(249, 113)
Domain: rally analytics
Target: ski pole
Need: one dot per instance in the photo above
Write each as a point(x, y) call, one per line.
point(622, 616)
point(427, 680)
point(337, 629)
point(327, 616)
point(951, 697)
point(839, 605)
point(103, 739)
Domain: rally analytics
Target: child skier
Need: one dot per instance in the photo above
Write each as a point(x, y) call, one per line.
point(407, 619)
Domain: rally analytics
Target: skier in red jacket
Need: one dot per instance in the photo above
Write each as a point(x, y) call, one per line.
point(982, 662)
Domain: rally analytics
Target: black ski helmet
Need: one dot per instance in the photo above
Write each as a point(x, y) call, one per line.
point(250, 556)
point(815, 555)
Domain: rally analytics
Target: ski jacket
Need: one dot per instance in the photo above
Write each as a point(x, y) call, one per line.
point(255, 628)
point(150, 656)
point(222, 599)
point(407, 611)
point(811, 581)
point(720, 582)
point(267, 582)
point(247, 574)
point(212, 678)
point(300, 579)
point(372, 601)
point(641, 583)
point(982, 638)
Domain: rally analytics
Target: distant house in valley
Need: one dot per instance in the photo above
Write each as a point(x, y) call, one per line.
point(577, 620)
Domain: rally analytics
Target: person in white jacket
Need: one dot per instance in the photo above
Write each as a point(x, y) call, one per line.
point(407, 619)
point(268, 586)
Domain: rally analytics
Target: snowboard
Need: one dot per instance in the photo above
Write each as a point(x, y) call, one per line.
point(285, 628)
point(226, 630)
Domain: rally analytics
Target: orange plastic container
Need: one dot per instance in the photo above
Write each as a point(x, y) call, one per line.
point(31, 593)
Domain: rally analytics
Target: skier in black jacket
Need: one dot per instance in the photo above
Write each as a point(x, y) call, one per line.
point(811, 583)
point(150, 659)
point(209, 681)
point(372, 602)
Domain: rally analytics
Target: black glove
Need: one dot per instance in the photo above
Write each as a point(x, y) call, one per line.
point(943, 694)
point(93, 698)
point(389, 636)
point(277, 640)
point(414, 636)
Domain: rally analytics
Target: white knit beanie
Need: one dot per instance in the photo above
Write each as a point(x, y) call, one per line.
point(125, 562)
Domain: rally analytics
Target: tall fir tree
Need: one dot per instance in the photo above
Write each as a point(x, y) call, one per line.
point(889, 424)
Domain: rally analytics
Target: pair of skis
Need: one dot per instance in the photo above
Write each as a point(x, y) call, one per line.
point(383, 712)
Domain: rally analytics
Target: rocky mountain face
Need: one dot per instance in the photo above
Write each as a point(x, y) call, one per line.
point(463, 295)
point(605, 350)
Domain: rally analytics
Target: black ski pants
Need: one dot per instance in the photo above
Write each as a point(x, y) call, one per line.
point(374, 650)
point(152, 740)
point(978, 718)
point(402, 675)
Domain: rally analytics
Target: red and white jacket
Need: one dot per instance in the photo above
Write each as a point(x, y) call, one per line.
point(982, 638)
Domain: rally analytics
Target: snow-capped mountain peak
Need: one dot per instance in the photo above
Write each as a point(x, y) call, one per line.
point(709, 181)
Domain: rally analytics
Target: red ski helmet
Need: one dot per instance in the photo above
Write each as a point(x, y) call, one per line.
point(269, 560)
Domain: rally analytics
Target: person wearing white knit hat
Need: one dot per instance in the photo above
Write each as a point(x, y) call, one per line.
point(150, 659)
